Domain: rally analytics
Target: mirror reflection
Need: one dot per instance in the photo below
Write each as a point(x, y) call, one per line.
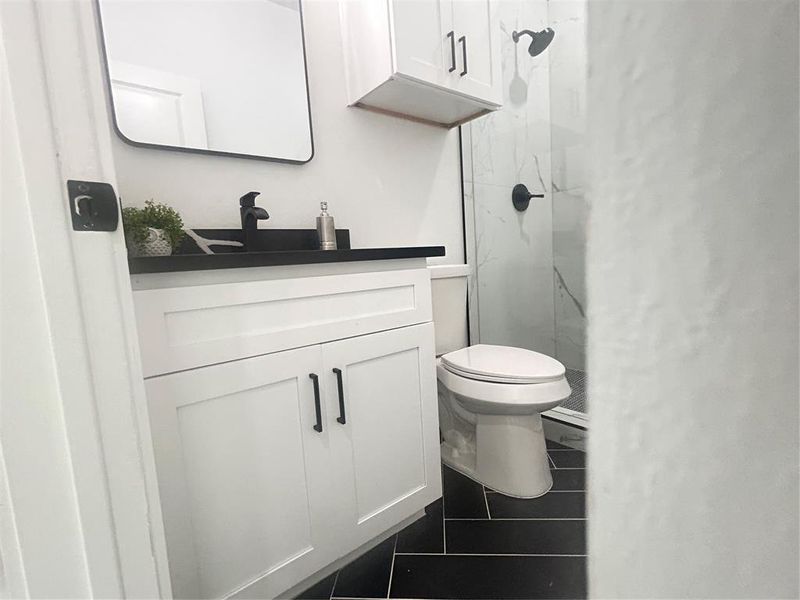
point(216, 76)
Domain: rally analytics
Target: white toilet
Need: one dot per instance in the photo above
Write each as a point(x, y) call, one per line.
point(491, 399)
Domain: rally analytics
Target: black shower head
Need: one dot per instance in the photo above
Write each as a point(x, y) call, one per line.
point(540, 40)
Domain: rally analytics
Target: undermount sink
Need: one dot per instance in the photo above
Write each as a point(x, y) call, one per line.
point(266, 240)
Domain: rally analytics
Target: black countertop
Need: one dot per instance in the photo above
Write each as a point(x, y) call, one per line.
point(238, 260)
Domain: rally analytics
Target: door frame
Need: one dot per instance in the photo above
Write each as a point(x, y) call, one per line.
point(59, 110)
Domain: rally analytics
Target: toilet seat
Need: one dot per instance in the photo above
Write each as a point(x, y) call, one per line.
point(488, 397)
point(503, 364)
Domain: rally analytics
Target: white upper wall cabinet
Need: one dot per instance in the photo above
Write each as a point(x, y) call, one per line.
point(436, 61)
point(478, 49)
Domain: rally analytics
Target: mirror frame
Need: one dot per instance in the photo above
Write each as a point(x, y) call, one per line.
point(127, 140)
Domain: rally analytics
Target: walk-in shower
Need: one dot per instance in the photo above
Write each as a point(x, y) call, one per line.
point(527, 256)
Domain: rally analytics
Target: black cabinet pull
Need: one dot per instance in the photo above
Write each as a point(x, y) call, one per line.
point(452, 36)
point(317, 408)
point(463, 41)
point(341, 419)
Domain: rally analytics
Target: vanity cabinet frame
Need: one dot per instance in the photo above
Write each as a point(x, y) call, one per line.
point(271, 467)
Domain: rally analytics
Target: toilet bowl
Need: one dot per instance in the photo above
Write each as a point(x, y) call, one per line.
point(491, 398)
point(490, 404)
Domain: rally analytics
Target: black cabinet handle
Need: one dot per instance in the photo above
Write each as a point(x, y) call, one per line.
point(341, 419)
point(452, 36)
point(463, 41)
point(315, 379)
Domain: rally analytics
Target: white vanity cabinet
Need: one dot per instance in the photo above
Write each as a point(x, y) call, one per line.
point(436, 61)
point(265, 480)
point(244, 479)
point(384, 449)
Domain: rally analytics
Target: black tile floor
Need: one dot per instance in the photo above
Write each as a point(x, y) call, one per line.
point(476, 543)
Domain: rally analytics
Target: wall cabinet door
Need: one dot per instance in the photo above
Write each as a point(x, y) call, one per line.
point(244, 477)
point(422, 46)
point(389, 442)
point(479, 72)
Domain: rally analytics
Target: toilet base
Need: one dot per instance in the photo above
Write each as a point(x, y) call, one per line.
point(506, 453)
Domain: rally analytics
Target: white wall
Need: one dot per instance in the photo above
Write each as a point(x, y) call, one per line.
point(246, 55)
point(693, 288)
point(390, 181)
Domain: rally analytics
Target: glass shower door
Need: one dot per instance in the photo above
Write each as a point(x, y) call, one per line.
point(568, 65)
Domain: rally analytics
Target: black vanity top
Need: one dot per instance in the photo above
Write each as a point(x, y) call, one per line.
point(236, 260)
point(274, 247)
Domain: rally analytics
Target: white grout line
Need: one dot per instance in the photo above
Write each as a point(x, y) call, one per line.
point(391, 571)
point(486, 500)
point(350, 598)
point(551, 460)
point(524, 519)
point(582, 491)
point(335, 580)
point(444, 531)
point(468, 554)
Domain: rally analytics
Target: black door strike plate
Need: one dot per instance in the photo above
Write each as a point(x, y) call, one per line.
point(93, 206)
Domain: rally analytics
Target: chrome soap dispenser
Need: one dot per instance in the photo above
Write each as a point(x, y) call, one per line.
point(326, 229)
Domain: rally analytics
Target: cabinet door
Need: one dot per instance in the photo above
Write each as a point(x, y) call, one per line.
point(243, 475)
point(421, 45)
point(390, 438)
point(479, 73)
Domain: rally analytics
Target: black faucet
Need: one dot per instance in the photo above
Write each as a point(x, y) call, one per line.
point(251, 215)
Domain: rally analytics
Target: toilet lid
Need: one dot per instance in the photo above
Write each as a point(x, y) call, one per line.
point(503, 364)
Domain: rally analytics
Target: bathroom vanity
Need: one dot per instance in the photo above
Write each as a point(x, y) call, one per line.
point(293, 410)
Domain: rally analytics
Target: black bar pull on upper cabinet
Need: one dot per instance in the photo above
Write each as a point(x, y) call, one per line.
point(452, 37)
point(463, 41)
point(317, 407)
point(341, 418)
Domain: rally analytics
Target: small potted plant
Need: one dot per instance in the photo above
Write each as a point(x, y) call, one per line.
point(155, 230)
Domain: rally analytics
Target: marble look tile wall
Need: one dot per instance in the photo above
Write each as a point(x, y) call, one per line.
point(513, 251)
point(516, 296)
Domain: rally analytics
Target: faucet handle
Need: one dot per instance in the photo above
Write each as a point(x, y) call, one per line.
point(248, 200)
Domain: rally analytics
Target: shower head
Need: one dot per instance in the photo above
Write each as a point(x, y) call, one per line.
point(540, 40)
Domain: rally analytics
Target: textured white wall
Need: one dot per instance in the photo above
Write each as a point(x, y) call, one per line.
point(693, 298)
point(390, 181)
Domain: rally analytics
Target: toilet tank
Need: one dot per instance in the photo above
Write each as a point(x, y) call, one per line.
point(449, 292)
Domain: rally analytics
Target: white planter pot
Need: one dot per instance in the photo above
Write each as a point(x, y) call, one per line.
point(156, 244)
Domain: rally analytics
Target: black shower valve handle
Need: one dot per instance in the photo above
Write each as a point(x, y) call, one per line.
point(521, 197)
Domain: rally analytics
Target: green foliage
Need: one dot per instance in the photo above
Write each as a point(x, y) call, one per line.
point(158, 216)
